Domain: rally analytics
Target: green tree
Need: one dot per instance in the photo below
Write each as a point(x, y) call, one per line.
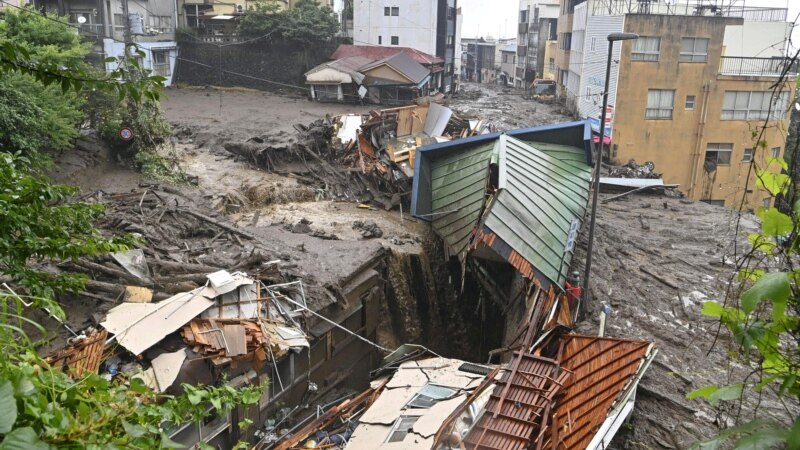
point(44, 408)
point(306, 23)
point(58, 113)
point(762, 315)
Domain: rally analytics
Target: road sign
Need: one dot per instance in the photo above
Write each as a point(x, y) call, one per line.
point(126, 134)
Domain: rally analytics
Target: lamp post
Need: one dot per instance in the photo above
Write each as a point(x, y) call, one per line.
point(613, 37)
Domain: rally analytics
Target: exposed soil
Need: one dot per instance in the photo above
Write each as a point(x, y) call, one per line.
point(656, 258)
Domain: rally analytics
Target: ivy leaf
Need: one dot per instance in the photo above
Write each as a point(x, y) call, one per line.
point(793, 439)
point(715, 394)
point(23, 439)
point(774, 222)
point(134, 431)
point(725, 393)
point(712, 309)
point(8, 404)
point(762, 439)
point(774, 183)
point(771, 286)
point(166, 442)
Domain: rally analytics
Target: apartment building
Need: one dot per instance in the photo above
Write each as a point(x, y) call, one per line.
point(425, 25)
point(688, 93)
point(536, 30)
point(152, 25)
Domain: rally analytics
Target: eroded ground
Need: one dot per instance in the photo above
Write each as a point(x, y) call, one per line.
point(656, 258)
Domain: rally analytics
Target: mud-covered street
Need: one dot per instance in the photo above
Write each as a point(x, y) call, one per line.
point(652, 274)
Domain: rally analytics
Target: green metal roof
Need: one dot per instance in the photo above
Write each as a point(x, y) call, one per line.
point(458, 185)
point(543, 188)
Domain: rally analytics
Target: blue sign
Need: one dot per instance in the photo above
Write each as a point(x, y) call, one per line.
point(595, 124)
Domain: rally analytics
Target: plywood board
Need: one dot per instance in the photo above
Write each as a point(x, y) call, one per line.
point(236, 339)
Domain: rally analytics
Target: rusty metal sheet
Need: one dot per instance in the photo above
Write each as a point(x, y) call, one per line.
point(602, 369)
point(518, 405)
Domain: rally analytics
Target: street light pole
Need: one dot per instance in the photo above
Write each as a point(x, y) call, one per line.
point(598, 158)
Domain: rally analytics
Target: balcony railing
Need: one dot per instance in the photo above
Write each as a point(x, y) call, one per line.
point(94, 30)
point(756, 67)
point(689, 8)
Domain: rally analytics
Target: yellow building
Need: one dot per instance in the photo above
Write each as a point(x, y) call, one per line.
point(689, 93)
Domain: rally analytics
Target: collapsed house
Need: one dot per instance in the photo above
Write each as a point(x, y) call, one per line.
point(508, 208)
point(237, 330)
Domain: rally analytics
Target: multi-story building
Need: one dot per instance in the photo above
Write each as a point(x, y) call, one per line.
point(688, 93)
point(478, 62)
point(508, 63)
point(152, 25)
point(537, 28)
point(426, 25)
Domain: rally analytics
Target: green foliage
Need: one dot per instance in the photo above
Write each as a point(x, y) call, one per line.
point(45, 408)
point(38, 117)
point(307, 22)
point(39, 223)
point(764, 323)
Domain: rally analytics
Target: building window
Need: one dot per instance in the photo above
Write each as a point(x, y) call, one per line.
point(565, 43)
point(386, 10)
point(646, 48)
point(694, 50)
point(748, 155)
point(450, 39)
point(119, 22)
point(753, 105)
point(690, 102)
point(593, 44)
point(380, 40)
point(451, 12)
point(660, 103)
point(719, 154)
point(523, 16)
point(429, 395)
point(395, 10)
point(162, 24)
point(402, 426)
point(588, 91)
point(395, 40)
point(714, 202)
point(767, 202)
point(776, 152)
point(552, 65)
point(161, 63)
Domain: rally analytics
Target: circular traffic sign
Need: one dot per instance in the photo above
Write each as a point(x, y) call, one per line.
point(126, 134)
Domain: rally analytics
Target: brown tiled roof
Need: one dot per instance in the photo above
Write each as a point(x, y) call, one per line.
point(376, 52)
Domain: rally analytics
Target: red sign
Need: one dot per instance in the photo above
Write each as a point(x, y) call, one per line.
point(126, 134)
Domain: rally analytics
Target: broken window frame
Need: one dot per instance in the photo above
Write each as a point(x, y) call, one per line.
point(716, 149)
point(398, 434)
point(428, 394)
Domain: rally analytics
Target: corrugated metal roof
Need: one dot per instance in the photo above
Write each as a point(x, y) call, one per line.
point(403, 64)
point(458, 184)
point(347, 68)
point(603, 369)
point(542, 191)
point(375, 52)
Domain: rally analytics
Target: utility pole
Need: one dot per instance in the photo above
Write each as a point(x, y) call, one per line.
point(126, 31)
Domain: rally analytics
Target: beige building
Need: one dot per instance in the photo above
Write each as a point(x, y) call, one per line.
point(688, 94)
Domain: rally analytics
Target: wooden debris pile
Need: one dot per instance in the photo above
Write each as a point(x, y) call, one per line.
point(181, 245)
point(222, 340)
point(83, 356)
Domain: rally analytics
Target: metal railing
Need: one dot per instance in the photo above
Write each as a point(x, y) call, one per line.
point(703, 8)
point(756, 67)
point(91, 30)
